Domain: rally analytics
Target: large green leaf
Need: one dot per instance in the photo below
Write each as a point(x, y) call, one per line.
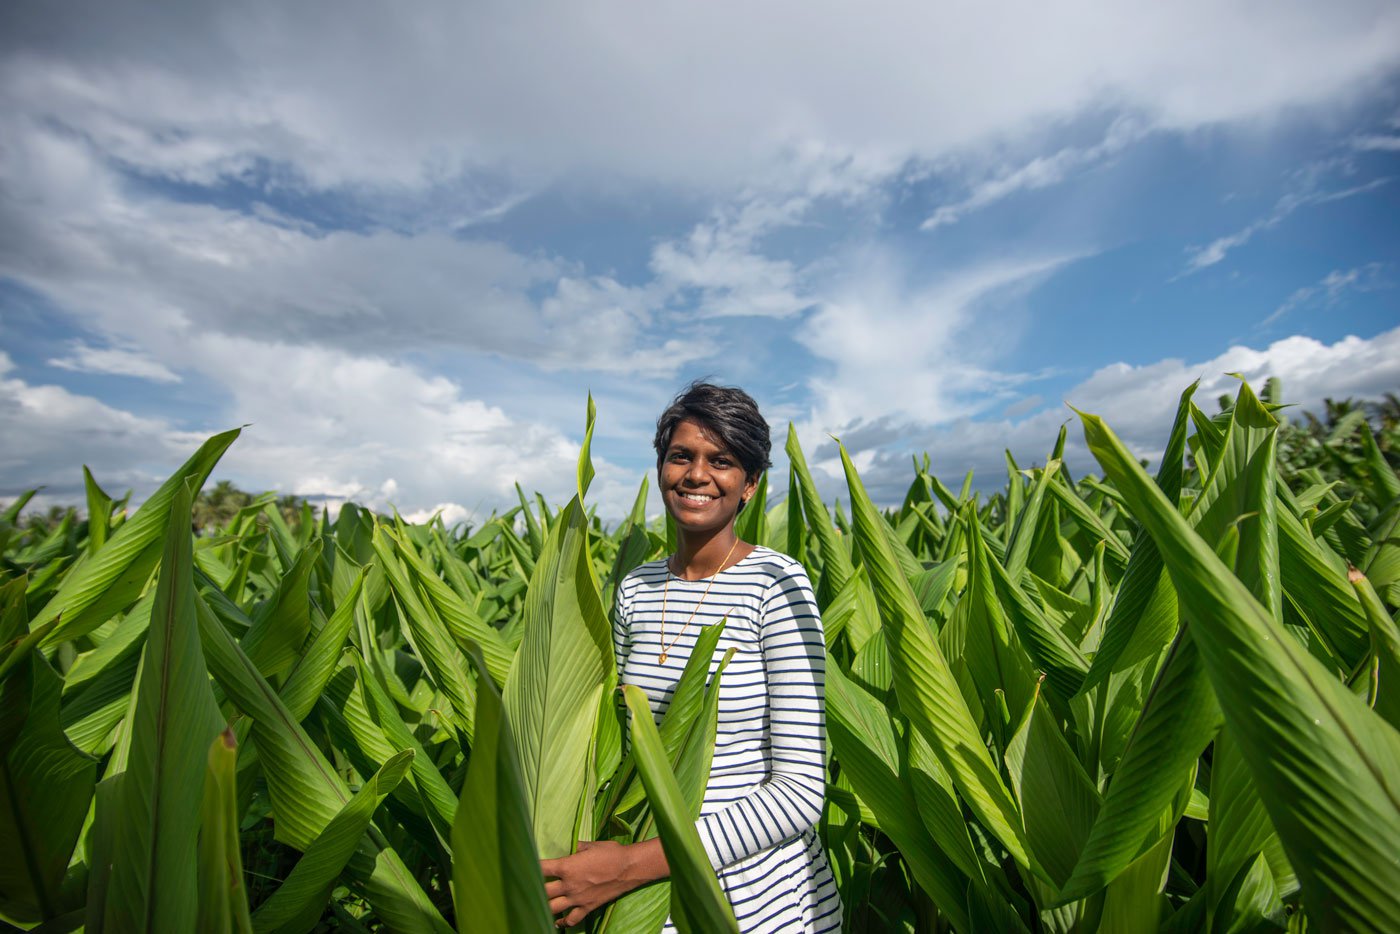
point(154, 885)
point(306, 790)
point(1385, 646)
point(317, 663)
point(429, 638)
point(698, 905)
point(223, 896)
point(1145, 797)
point(45, 787)
point(281, 623)
point(1320, 758)
point(1057, 797)
point(644, 910)
point(836, 561)
point(465, 625)
point(301, 899)
point(864, 742)
point(564, 666)
point(1140, 599)
point(687, 704)
point(927, 691)
point(496, 880)
point(1239, 827)
point(114, 576)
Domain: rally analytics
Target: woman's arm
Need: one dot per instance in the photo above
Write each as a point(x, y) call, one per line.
point(599, 873)
point(790, 800)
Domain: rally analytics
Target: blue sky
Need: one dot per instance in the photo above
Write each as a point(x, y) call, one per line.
point(403, 244)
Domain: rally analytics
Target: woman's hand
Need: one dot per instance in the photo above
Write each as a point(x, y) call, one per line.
point(597, 874)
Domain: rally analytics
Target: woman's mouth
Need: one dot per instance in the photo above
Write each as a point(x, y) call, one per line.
point(699, 499)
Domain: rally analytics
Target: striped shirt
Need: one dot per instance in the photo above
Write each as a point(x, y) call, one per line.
point(768, 778)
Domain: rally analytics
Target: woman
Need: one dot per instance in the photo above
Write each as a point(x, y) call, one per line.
point(767, 781)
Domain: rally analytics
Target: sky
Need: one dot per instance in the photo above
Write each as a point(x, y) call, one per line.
point(402, 243)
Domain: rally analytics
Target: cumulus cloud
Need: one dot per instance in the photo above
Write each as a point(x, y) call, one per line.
point(1137, 402)
point(707, 94)
point(914, 352)
point(50, 433)
point(322, 424)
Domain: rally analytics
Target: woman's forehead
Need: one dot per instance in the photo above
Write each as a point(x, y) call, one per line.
point(690, 433)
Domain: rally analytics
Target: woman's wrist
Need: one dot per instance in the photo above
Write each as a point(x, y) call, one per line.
point(646, 862)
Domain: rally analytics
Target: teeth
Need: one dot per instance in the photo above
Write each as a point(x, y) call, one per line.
point(697, 497)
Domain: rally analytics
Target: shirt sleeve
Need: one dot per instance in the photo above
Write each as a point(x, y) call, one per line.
point(790, 800)
point(621, 629)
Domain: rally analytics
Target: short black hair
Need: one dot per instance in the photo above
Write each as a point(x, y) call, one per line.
point(728, 413)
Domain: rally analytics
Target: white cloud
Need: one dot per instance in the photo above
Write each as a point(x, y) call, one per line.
point(114, 361)
point(50, 433)
point(1329, 289)
point(1216, 250)
point(322, 424)
point(914, 353)
point(1377, 143)
point(1039, 172)
point(712, 94)
point(1137, 402)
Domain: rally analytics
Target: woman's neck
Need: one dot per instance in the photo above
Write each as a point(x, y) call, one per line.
point(700, 555)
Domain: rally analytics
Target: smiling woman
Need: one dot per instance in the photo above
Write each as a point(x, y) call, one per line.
point(767, 781)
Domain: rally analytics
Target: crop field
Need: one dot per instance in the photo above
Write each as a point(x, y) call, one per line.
point(1117, 702)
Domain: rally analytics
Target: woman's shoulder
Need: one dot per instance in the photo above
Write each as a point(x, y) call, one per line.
point(647, 572)
point(775, 565)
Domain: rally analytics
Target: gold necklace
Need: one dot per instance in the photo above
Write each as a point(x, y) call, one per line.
point(665, 592)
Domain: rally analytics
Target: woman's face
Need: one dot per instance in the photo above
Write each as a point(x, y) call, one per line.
point(702, 482)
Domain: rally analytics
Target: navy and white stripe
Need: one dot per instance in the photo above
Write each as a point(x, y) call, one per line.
point(768, 778)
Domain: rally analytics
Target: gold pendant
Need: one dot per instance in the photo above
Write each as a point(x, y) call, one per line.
point(662, 658)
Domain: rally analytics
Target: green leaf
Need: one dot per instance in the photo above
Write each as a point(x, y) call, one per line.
point(1320, 758)
point(99, 507)
point(428, 636)
point(301, 899)
point(927, 691)
point(281, 623)
point(45, 787)
point(1239, 827)
point(306, 790)
point(1250, 904)
point(750, 524)
point(864, 742)
point(223, 898)
point(644, 910)
point(154, 885)
point(1385, 646)
point(1058, 799)
point(496, 879)
point(464, 624)
point(564, 665)
point(585, 460)
point(114, 576)
point(836, 560)
point(1144, 799)
point(1134, 901)
point(317, 663)
point(698, 905)
point(686, 707)
point(1140, 598)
